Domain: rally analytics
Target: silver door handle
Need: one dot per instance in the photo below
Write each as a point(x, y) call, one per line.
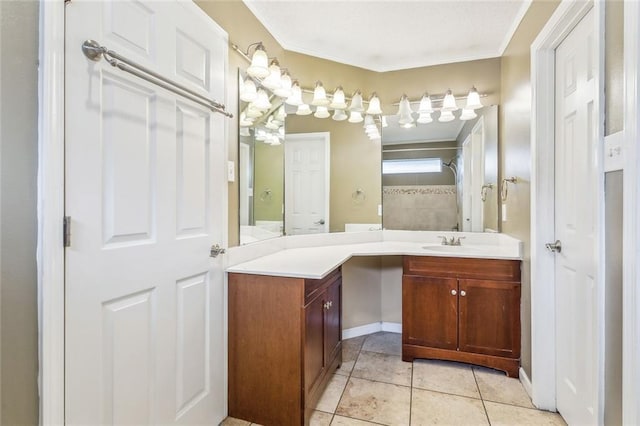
point(216, 250)
point(320, 222)
point(554, 247)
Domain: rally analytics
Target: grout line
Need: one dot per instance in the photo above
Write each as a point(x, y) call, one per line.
point(473, 371)
point(411, 393)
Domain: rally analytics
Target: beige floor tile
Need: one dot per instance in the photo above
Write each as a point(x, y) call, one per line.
point(497, 387)
point(384, 342)
point(230, 421)
point(376, 402)
point(320, 418)
point(350, 351)
point(382, 368)
point(447, 377)
point(331, 395)
point(502, 414)
point(434, 408)
point(346, 421)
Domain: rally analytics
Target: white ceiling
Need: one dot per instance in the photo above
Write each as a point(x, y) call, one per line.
point(392, 34)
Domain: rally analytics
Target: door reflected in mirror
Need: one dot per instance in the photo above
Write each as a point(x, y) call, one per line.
point(441, 176)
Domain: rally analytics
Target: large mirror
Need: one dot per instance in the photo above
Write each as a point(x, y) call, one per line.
point(441, 176)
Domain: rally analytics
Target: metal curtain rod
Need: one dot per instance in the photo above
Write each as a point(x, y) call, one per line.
point(94, 51)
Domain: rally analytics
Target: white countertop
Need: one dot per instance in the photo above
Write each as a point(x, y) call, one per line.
point(315, 256)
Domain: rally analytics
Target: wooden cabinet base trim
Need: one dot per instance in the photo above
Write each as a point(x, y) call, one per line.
point(508, 365)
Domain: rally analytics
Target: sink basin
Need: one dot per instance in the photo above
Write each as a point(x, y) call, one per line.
point(456, 249)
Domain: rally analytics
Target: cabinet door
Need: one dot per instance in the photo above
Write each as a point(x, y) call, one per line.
point(430, 311)
point(490, 317)
point(313, 343)
point(332, 329)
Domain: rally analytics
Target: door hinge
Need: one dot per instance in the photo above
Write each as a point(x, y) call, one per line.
point(66, 231)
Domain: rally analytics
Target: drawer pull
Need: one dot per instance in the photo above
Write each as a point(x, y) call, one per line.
point(453, 292)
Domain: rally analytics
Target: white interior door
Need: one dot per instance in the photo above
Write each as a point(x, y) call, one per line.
point(145, 189)
point(477, 177)
point(467, 191)
point(575, 226)
point(306, 183)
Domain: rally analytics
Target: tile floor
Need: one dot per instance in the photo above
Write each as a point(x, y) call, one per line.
point(375, 387)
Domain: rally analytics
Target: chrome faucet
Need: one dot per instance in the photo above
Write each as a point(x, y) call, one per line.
point(453, 241)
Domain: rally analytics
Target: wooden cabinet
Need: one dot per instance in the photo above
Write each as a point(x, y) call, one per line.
point(462, 309)
point(284, 345)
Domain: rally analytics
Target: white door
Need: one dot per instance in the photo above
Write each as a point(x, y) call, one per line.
point(145, 189)
point(467, 191)
point(479, 189)
point(575, 225)
point(306, 204)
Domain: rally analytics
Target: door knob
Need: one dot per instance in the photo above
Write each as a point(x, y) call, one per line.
point(216, 250)
point(554, 247)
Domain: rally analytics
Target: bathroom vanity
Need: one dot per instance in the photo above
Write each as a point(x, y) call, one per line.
point(285, 300)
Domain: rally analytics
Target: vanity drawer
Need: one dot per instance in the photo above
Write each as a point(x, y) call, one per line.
point(457, 267)
point(314, 287)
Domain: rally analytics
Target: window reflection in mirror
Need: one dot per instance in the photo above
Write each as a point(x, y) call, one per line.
point(455, 188)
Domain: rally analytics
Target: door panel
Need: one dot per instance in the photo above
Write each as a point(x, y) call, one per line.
point(333, 329)
point(576, 184)
point(144, 323)
point(314, 342)
point(430, 311)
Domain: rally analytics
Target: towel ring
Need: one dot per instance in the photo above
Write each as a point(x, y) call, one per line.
point(504, 187)
point(485, 189)
point(358, 196)
point(265, 195)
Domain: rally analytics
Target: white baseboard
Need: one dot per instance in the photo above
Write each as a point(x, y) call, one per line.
point(526, 382)
point(374, 327)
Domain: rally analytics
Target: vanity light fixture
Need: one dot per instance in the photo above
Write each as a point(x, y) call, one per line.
point(338, 101)
point(303, 109)
point(284, 91)
point(339, 115)
point(274, 79)
point(355, 117)
point(248, 92)
point(374, 105)
point(356, 103)
point(262, 101)
point(321, 112)
point(449, 102)
point(259, 67)
point(446, 116)
point(468, 114)
point(319, 95)
point(473, 99)
point(405, 111)
point(296, 95)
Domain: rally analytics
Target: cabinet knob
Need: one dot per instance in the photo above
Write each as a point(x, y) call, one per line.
point(453, 292)
point(463, 293)
point(327, 305)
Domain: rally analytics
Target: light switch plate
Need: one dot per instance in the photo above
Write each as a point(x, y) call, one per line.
point(613, 152)
point(231, 171)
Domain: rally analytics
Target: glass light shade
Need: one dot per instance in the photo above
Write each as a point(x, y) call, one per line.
point(248, 91)
point(374, 105)
point(368, 121)
point(356, 103)
point(338, 101)
point(303, 110)
point(284, 91)
point(273, 140)
point(446, 116)
point(244, 121)
point(319, 96)
point(339, 115)
point(384, 121)
point(473, 99)
point(355, 117)
point(281, 114)
point(449, 102)
point(244, 131)
point(274, 79)
point(270, 124)
point(262, 101)
point(259, 63)
point(321, 112)
point(296, 95)
point(405, 111)
point(253, 112)
point(424, 118)
point(468, 114)
point(261, 135)
point(425, 105)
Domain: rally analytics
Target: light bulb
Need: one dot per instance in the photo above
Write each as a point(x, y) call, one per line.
point(338, 101)
point(374, 105)
point(473, 99)
point(259, 63)
point(319, 95)
point(296, 95)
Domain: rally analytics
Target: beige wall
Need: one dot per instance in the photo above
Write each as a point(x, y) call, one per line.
point(18, 167)
point(515, 151)
point(269, 176)
point(361, 291)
